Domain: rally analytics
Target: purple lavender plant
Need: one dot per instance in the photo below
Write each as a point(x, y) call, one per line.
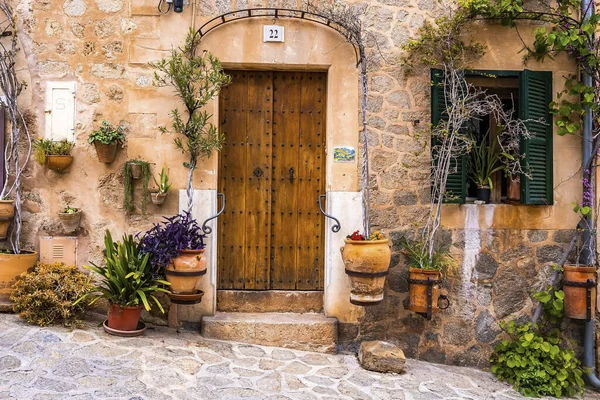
point(166, 240)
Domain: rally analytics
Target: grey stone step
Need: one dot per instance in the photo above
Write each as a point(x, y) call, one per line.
point(308, 331)
point(269, 301)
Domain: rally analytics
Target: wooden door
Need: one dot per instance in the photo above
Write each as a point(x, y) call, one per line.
point(272, 172)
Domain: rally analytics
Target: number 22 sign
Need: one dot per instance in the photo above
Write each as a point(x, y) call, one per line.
point(273, 33)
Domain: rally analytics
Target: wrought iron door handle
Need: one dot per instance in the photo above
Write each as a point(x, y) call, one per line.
point(207, 229)
point(336, 227)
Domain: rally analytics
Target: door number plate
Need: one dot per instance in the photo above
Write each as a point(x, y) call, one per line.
point(273, 33)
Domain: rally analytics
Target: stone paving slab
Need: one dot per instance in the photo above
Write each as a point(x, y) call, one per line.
point(87, 364)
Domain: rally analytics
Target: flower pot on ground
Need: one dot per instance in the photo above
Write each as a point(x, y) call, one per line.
point(11, 266)
point(576, 294)
point(70, 218)
point(159, 197)
point(367, 262)
point(7, 214)
point(126, 282)
point(182, 268)
point(106, 139)
point(55, 156)
point(483, 162)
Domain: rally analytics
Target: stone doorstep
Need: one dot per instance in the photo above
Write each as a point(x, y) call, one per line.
point(270, 301)
point(308, 331)
point(6, 307)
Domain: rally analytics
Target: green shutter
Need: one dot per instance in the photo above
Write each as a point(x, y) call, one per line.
point(535, 94)
point(456, 185)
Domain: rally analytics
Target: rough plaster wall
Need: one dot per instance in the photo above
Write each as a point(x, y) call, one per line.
point(104, 45)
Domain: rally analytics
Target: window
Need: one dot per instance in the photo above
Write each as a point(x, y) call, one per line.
point(530, 92)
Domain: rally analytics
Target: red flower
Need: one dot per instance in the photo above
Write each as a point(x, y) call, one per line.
point(356, 235)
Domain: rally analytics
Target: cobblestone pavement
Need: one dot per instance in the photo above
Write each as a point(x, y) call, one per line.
point(57, 363)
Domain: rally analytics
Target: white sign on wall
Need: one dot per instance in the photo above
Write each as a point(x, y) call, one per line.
point(60, 110)
point(273, 33)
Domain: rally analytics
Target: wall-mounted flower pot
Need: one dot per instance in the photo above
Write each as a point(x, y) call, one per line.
point(367, 264)
point(483, 194)
point(513, 189)
point(136, 170)
point(576, 292)
point(70, 220)
point(158, 198)
point(185, 271)
point(7, 214)
point(106, 152)
point(124, 318)
point(11, 266)
point(418, 301)
point(58, 163)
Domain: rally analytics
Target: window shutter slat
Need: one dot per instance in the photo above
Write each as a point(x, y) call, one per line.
point(456, 185)
point(536, 94)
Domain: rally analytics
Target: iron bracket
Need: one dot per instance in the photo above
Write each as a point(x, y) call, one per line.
point(336, 227)
point(207, 229)
point(588, 286)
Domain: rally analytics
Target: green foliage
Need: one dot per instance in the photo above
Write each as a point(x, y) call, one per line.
point(128, 204)
point(70, 210)
point(126, 278)
point(483, 162)
point(417, 256)
point(534, 358)
point(46, 295)
point(163, 181)
point(47, 147)
point(107, 134)
point(196, 79)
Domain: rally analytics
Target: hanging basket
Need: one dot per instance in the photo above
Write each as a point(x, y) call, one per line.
point(185, 270)
point(579, 286)
point(367, 264)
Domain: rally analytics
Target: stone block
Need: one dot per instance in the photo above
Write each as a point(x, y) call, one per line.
point(381, 356)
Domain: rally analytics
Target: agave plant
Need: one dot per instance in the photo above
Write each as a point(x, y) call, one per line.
point(485, 160)
point(125, 279)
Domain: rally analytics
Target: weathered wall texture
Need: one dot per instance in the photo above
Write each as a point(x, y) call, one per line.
point(105, 45)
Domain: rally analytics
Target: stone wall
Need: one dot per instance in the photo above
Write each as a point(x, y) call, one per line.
point(104, 45)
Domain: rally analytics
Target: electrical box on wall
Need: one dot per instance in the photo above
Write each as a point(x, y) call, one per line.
point(58, 249)
point(60, 110)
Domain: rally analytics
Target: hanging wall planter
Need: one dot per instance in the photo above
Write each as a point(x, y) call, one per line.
point(55, 156)
point(424, 287)
point(106, 152)
point(106, 140)
point(131, 170)
point(579, 286)
point(70, 218)
point(136, 170)
point(59, 163)
point(163, 188)
point(367, 264)
point(7, 214)
point(185, 270)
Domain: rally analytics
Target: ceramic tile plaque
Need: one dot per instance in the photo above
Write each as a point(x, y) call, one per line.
point(344, 154)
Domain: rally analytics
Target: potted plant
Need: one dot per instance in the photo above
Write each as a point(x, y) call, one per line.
point(483, 161)
point(56, 156)
point(126, 282)
point(159, 197)
point(135, 169)
point(7, 214)
point(13, 259)
point(106, 140)
point(575, 291)
point(367, 261)
point(176, 248)
point(70, 217)
point(424, 270)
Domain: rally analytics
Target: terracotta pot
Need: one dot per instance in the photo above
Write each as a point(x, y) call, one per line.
point(11, 266)
point(576, 297)
point(136, 170)
point(158, 198)
point(106, 152)
point(418, 292)
point(124, 318)
point(185, 271)
point(513, 190)
point(367, 263)
point(58, 163)
point(70, 221)
point(7, 214)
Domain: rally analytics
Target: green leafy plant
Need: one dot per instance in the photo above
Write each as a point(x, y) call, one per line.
point(46, 296)
point(418, 256)
point(196, 80)
point(47, 147)
point(163, 181)
point(70, 210)
point(483, 161)
point(128, 204)
point(107, 134)
point(534, 358)
point(126, 278)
